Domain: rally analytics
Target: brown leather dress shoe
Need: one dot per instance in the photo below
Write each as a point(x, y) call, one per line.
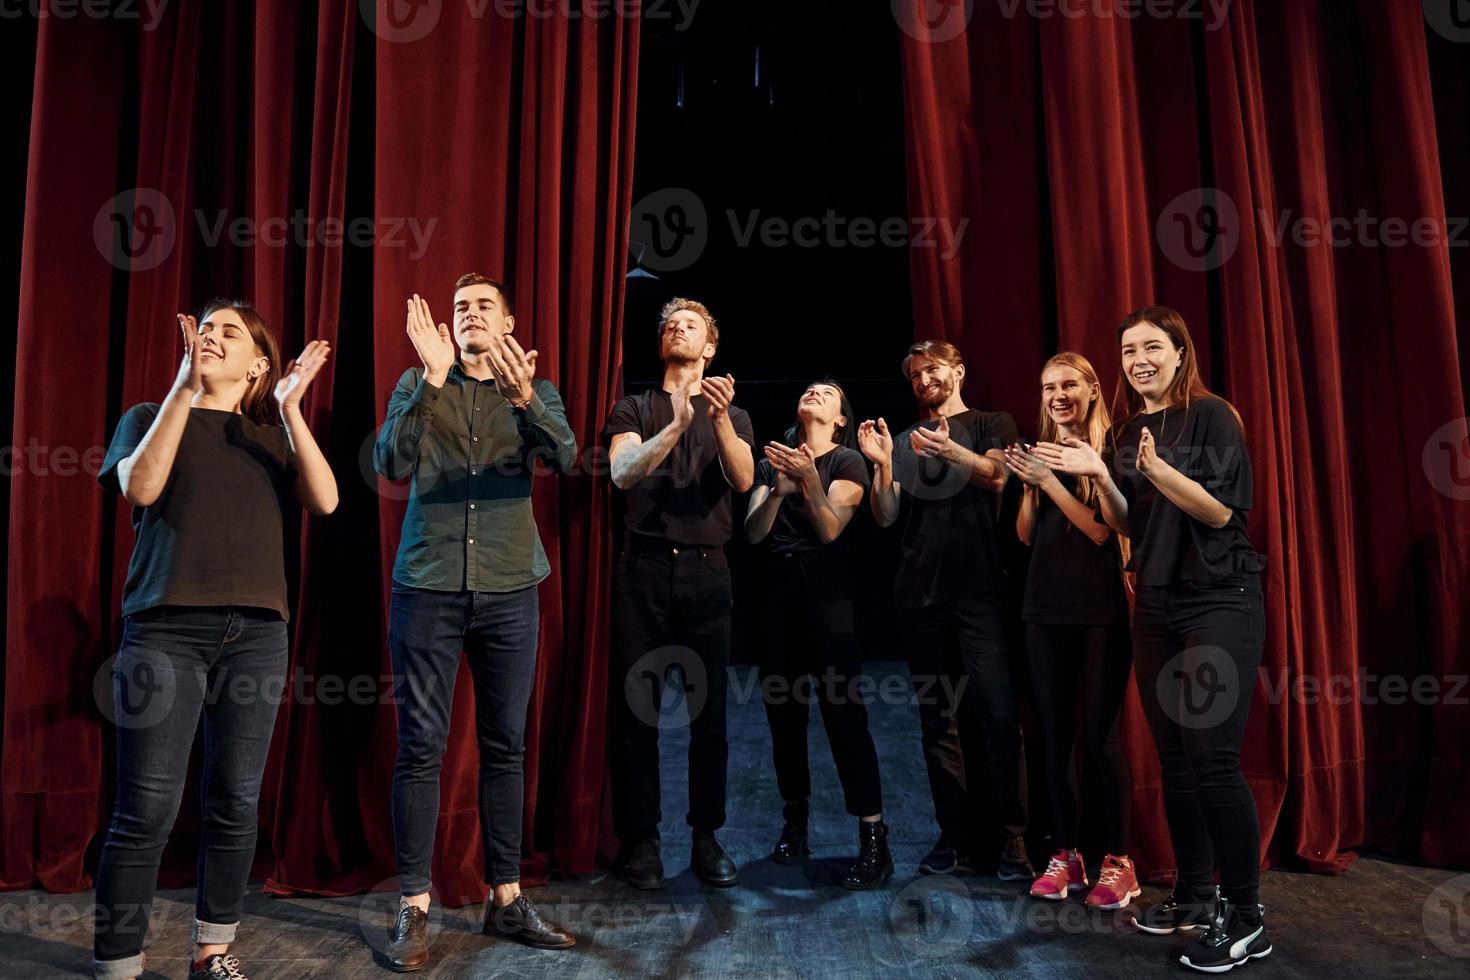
point(521, 921)
point(408, 941)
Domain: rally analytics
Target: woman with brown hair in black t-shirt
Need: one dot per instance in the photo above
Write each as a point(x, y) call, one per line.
point(805, 495)
point(1077, 643)
point(209, 473)
point(1179, 487)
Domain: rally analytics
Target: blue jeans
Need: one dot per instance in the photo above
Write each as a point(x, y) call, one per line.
point(427, 631)
point(175, 664)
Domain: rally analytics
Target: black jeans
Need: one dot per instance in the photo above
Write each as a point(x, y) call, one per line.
point(1197, 651)
point(671, 605)
point(966, 638)
point(1091, 663)
point(809, 634)
point(175, 664)
point(427, 631)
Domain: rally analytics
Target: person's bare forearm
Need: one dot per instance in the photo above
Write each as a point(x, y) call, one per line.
point(1077, 512)
point(144, 472)
point(1026, 516)
point(820, 512)
point(1112, 504)
point(884, 495)
point(631, 464)
point(764, 505)
point(1189, 495)
point(736, 458)
point(316, 485)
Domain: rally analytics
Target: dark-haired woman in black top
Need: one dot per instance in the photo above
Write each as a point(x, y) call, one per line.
point(1179, 487)
point(803, 499)
point(210, 473)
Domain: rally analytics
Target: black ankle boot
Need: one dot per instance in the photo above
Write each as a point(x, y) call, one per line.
point(874, 864)
point(792, 846)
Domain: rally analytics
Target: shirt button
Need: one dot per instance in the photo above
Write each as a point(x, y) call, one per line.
point(477, 408)
point(474, 438)
point(472, 472)
point(676, 551)
point(472, 540)
point(472, 506)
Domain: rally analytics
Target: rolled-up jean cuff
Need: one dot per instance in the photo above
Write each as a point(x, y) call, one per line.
point(123, 969)
point(214, 933)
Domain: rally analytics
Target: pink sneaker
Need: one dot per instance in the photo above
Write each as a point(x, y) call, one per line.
point(1063, 871)
point(1117, 884)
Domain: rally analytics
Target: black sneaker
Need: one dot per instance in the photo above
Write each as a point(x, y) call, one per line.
point(1235, 936)
point(941, 859)
point(1172, 915)
point(644, 868)
point(1014, 865)
point(220, 966)
point(792, 846)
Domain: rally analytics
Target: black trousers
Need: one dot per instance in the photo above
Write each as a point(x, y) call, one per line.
point(1197, 650)
point(966, 638)
point(671, 607)
point(809, 652)
point(1090, 663)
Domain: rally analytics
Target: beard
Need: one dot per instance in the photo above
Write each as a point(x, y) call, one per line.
point(936, 396)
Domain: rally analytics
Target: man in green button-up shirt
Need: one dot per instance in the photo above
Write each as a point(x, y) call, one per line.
point(467, 429)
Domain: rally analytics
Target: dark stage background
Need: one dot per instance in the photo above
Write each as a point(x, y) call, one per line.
point(1094, 160)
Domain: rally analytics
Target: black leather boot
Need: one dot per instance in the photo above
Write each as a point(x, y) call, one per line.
point(644, 867)
point(792, 846)
point(875, 863)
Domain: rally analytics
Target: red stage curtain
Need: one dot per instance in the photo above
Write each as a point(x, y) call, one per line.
point(509, 142)
point(1068, 142)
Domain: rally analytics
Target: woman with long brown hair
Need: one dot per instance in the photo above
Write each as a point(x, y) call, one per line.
point(1179, 486)
point(1077, 643)
point(208, 473)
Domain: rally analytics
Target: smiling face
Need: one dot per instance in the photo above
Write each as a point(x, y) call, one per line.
point(1150, 360)
point(479, 314)
point(228, 354)
point(684, 338)
point(933, 381)
point(1066, 395)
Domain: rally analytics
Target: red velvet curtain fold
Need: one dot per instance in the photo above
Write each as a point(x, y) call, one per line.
point(1141, 137)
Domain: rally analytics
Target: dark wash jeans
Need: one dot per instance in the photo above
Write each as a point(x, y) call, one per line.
point(671, 604)
point(809, 633)
point(1197, 650)
point(175, 664)
point(427, 632)
point(947, 641)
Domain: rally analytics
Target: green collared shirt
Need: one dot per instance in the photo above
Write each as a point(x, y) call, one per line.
point(469, 456)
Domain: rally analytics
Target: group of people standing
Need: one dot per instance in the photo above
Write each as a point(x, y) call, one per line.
point(210, 473)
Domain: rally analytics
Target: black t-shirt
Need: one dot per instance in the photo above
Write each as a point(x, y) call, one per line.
point(214, 536)
point(1205, 443)
point(947, 525)
point(792, 529)
point(1072, 581)
point(686, 499)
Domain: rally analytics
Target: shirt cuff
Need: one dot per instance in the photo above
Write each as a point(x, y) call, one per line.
point(535, 409)
point(426, 396)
